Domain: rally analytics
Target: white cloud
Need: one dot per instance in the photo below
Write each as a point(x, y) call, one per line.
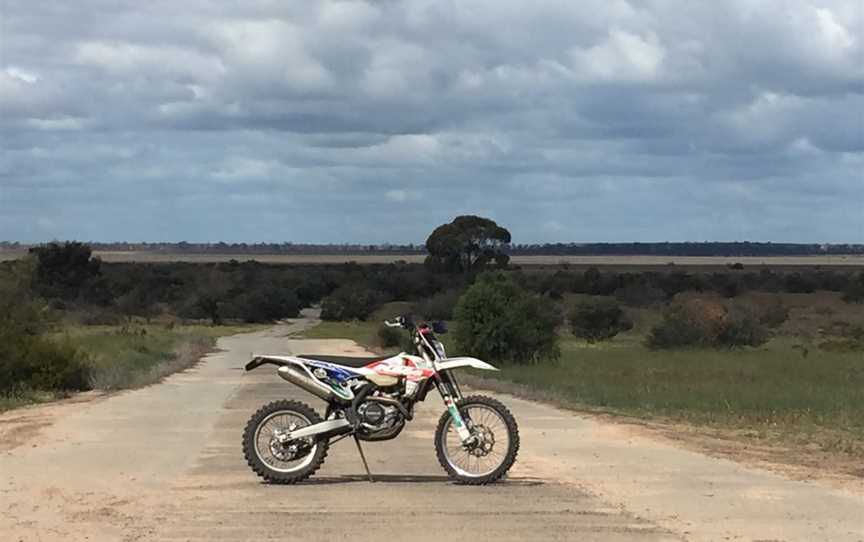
point(621, 56)
point(401, 196)
point(22, 74)
point(239, 169)
point(133, 60)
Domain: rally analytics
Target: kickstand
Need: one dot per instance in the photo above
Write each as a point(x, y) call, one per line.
point(363, 457)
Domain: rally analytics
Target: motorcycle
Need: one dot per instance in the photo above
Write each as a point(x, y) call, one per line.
point(371, 399)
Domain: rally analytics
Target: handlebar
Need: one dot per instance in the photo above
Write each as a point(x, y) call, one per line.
point(400, 321)
point(407, 322)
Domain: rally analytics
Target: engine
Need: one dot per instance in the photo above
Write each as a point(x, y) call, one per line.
point(375, 416)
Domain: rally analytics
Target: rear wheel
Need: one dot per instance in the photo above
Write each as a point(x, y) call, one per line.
point(274, 458)
point(493, 450)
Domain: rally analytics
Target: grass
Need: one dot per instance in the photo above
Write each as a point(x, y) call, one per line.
point(364, 333)
point(139, 354)
point(8, 402)
point(772, 386)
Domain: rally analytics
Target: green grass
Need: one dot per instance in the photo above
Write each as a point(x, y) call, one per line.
point(364, 333)
point(8, 402)
point(766, 386)
point(136, 355)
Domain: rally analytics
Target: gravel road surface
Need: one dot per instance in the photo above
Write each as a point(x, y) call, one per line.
point(164, 463)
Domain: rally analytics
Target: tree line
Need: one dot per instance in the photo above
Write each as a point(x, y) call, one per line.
point(705, 249)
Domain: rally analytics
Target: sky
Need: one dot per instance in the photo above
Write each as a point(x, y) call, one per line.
point(373, 122)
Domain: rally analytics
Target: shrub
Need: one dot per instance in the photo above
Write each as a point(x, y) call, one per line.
point(640, 295)
point(680, 327)
point(798, 283)
point(440, 306)
point(265, 305)
point(389, 337)
point(598, 320)
point(854, 293)
point(707, 323)
point(498, 320)
point(28, 359)
point(742, 327)
point(350, 302)
point(35, 363)
point(772, 313)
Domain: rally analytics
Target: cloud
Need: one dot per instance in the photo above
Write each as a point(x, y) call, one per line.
point(622, 56)
point(334, 120)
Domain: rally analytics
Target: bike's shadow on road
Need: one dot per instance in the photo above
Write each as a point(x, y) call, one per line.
point(407, 479)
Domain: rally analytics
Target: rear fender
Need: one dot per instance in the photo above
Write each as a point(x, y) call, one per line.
point(455, 363)
point(279, 361)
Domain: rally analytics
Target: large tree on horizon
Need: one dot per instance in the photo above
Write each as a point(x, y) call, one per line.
point(467, 244)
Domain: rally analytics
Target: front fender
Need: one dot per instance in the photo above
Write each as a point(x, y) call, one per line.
point(455, 363)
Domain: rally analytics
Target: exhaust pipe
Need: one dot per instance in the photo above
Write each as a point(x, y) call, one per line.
point(305, 382)
point(327, 428)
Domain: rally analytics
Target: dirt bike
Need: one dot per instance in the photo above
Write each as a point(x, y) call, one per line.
point(371, 399)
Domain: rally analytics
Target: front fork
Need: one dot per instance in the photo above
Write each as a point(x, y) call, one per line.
point(450, 393)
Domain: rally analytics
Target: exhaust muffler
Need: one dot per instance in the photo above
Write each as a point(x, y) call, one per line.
point(305, 382)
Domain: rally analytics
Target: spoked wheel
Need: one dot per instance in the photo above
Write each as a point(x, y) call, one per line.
point(494, 447)
point(271, 455)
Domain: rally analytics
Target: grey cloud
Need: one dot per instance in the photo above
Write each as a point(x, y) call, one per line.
point(332, 121)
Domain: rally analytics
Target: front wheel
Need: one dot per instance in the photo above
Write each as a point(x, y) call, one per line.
point(494, 447)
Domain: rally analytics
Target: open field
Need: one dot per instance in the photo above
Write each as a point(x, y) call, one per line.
point(641, 262)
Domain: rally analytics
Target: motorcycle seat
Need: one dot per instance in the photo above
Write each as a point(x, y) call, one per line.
point(346, 361)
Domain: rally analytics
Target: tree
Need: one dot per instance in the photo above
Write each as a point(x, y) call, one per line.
point(267, 303)
point(63, 270)
point(498, 320)
point(598, 320)
point(467, 244)
point(350, 302)
point(855, 291)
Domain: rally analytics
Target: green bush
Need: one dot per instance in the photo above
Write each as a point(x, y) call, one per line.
point(498, 320)
point(265, 305)
point(708, 323)
point(350, 302)
point(742, 327)
point(440, 306)
point(28, 359)
point(640, 295)
point(389, 337)
point(598, 320)
point(30, 362)
point(63, 270)
point(854, 293)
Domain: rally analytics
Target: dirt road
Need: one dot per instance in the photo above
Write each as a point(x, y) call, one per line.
point(164, 463)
